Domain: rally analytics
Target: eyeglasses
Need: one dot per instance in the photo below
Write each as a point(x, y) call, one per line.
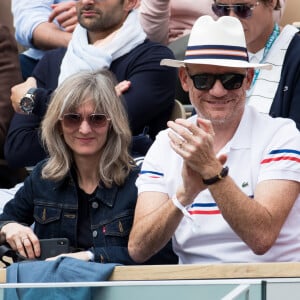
point(205, 81)
point(241, 10)
point(74, 120)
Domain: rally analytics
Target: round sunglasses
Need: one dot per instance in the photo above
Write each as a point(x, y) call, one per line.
point(240, 10)
point(205, 81)
point(74, 120)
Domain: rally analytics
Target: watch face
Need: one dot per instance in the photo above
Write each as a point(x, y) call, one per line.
point(27, 104)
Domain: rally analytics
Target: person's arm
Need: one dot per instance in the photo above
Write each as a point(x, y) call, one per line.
point(155, 211)
point(16, 219)
point(9, 75)
point(154, 17)
point(48, 36)
point(32, 26)
point(23, 146)
point(156, 219)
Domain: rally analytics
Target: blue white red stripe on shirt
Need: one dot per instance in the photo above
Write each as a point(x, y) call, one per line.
point(204, 209)
point(282, 154)
point(152, 174)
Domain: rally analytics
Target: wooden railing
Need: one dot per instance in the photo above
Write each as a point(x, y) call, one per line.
point(207, 271)
point(203, 271)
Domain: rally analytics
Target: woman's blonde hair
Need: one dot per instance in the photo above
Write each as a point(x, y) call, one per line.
point(115, 162)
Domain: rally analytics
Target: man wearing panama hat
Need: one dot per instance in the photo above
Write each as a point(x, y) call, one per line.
point(224, 183)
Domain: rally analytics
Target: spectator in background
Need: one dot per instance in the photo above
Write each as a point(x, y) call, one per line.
point(86, 190)
point(40, 26)
point(9, 76)
point(246, 211)
point(165, 21)
point(277, 92)
point(170, 21)
point(111, 39)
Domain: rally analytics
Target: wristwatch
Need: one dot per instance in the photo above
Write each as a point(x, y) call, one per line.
point(217, 178)
point(28, 101)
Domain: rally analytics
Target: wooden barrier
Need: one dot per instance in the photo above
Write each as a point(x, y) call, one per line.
point(203, 271)
point(207, 271)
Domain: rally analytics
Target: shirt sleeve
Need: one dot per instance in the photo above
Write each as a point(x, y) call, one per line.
point(154, 18)
point(27, 15)
point(281, 159)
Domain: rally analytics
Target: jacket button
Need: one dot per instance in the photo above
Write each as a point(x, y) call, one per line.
point(95, 204)
point(95, 233)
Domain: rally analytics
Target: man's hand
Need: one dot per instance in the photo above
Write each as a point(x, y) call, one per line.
point(195, 144)
point(191, 187)
point(65, 14)
point(18, 91)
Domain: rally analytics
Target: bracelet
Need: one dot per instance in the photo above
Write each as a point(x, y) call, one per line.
point(180, 207)
point(217, 178)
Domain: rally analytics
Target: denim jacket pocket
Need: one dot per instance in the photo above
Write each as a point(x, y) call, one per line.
point(45, 214)
point(117, 231)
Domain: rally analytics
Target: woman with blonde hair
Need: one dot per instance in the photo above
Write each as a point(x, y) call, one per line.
point(85, 191)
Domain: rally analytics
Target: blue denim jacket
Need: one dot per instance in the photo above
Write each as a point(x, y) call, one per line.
point(53, 208)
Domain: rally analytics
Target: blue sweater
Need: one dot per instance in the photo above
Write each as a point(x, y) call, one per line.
point(149, 100)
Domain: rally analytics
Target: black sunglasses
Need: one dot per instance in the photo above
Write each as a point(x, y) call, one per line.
point(205, 81)
point(74, 120)
point(241, 10)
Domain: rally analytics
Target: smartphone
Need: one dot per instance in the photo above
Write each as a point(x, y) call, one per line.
point(53, 247)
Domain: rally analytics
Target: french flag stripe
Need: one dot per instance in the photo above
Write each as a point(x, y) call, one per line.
point(282, 155)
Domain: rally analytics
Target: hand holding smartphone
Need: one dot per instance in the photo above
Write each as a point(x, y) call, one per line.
point(53, 247)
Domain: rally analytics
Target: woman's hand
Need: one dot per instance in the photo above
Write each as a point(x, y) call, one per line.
point(22, 239)
point(122, 87)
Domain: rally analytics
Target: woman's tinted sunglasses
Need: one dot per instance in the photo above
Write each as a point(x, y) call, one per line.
point(242, 11)
point(74, 120)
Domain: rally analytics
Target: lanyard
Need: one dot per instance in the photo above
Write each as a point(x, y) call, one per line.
point(269, 43)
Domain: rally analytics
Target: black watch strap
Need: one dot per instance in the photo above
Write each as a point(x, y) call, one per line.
point(217, 178)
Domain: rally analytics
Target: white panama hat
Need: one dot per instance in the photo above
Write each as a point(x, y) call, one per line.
point(220, 43)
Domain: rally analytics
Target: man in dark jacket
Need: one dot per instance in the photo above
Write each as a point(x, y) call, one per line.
point(109, 36)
